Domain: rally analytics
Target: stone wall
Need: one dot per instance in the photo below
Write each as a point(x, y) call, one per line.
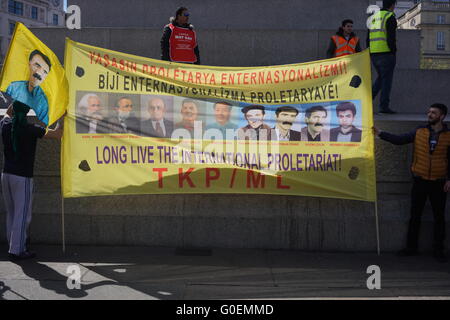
point(230, 14)
point(231, 221)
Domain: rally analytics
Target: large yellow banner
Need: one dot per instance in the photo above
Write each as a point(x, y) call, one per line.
point(142, 126)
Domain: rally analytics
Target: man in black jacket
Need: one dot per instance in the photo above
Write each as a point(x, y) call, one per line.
point(179, 40)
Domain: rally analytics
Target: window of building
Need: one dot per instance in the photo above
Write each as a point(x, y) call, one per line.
point(15, 7)
point(34, 13)
point(55, 19)
point(12, 25)
point(441, 19)
point(440, 40)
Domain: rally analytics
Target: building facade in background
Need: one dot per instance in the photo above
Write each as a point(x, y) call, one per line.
point(402, 6)
point(32, 13)
point(432, 18)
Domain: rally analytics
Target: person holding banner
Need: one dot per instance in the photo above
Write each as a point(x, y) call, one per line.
point(179, 40)
point(345, 42)
point(30, 92)
point(431, 173)
point(19, 148)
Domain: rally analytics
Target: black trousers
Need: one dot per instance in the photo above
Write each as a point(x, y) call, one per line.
point(421, 191)
point(384, 64)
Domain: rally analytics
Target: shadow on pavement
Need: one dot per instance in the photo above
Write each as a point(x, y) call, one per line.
point(163, 273)
point(262, 274)
point(52, 280)
point(3, 289)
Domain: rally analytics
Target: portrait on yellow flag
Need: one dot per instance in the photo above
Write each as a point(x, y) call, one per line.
point(33, 75)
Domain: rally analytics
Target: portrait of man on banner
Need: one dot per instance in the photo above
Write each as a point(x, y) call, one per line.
point(256, 129)
point(316, 123)
point(346, 131)
point(29, 91)
point(90, 117)
point(33, 75)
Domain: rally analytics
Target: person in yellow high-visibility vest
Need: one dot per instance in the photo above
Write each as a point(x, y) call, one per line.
point(381, 39)
point(344, 42)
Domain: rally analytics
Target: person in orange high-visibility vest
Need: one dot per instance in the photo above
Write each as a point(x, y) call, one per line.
point(344, 42)
point(179, 40)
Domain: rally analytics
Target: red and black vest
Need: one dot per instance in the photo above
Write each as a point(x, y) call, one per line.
point(182, 43)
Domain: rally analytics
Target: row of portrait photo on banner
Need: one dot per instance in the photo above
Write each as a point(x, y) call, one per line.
point(176, 117)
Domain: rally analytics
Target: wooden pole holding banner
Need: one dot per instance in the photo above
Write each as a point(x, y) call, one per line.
point(377, 227)
point(63, 226)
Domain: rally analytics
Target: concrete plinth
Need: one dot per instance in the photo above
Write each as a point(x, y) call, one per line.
point(233, 221)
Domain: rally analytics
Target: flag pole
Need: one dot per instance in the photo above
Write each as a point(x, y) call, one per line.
point(377, 227)
point(63, 226)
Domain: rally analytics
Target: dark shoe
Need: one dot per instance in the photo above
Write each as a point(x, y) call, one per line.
point(407, 252)
point(388, 111)
point(28, 243)
point(22, 256)
point(440, 256)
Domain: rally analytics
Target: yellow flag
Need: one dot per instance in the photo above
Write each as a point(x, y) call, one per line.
point(32, 74)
